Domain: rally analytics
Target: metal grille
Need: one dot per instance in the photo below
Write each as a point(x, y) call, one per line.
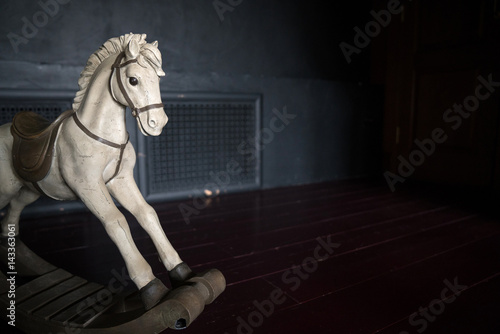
point(198, 149)
point(48, 109)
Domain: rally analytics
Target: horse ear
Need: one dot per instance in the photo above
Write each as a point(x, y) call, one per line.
point(132, 50)
point(155, 43)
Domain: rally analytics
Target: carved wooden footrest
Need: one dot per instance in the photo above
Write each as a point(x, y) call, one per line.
point(59, 302)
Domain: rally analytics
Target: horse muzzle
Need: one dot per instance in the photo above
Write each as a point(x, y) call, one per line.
point(151, 123)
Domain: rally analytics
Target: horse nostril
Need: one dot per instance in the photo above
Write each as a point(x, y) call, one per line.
point(152, 123)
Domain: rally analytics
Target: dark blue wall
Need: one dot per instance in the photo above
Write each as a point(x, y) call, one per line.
point(285, 50)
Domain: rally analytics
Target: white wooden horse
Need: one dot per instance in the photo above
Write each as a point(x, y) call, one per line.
point(92, 159)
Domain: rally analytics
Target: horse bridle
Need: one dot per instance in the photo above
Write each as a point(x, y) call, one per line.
point(135, 111)
point(117, 65)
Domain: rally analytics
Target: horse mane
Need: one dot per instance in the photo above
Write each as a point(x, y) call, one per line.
point(148, 54)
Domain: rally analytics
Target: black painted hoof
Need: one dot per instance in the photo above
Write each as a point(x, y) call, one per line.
point(180, 274)
point(152, 293)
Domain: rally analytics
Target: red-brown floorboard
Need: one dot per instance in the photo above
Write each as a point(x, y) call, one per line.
point(337, 257)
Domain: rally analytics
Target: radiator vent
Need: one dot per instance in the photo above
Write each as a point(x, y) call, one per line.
point(198, 149)
point(48, 109)
point(196, 152)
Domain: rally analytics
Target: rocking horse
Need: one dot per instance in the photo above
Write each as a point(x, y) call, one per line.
point(85, 154)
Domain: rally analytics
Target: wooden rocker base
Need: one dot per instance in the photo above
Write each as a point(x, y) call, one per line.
point(56, 301)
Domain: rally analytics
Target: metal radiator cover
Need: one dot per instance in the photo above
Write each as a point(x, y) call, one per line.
point(197, 152)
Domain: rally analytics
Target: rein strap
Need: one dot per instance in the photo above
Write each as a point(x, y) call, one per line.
point(105, 142)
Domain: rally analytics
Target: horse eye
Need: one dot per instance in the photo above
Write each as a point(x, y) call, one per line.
point(133, 81)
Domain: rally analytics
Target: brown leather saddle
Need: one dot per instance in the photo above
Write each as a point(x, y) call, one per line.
point(34, 143)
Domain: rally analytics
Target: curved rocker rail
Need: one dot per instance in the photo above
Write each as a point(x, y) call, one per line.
point(59, 302)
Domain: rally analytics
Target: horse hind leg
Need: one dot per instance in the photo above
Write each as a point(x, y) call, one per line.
point(17, 202)
point(28, 263)
point(5, 198)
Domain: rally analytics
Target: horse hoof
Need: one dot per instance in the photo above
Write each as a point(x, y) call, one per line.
point(180, 274)
point(152, 293)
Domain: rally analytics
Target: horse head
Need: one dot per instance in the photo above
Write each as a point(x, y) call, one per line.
point(135, 82)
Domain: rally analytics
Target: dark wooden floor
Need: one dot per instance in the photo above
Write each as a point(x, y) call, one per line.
point(343, 257)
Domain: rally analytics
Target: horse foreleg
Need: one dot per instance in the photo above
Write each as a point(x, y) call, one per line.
point(125, 190)
point(97, 198)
